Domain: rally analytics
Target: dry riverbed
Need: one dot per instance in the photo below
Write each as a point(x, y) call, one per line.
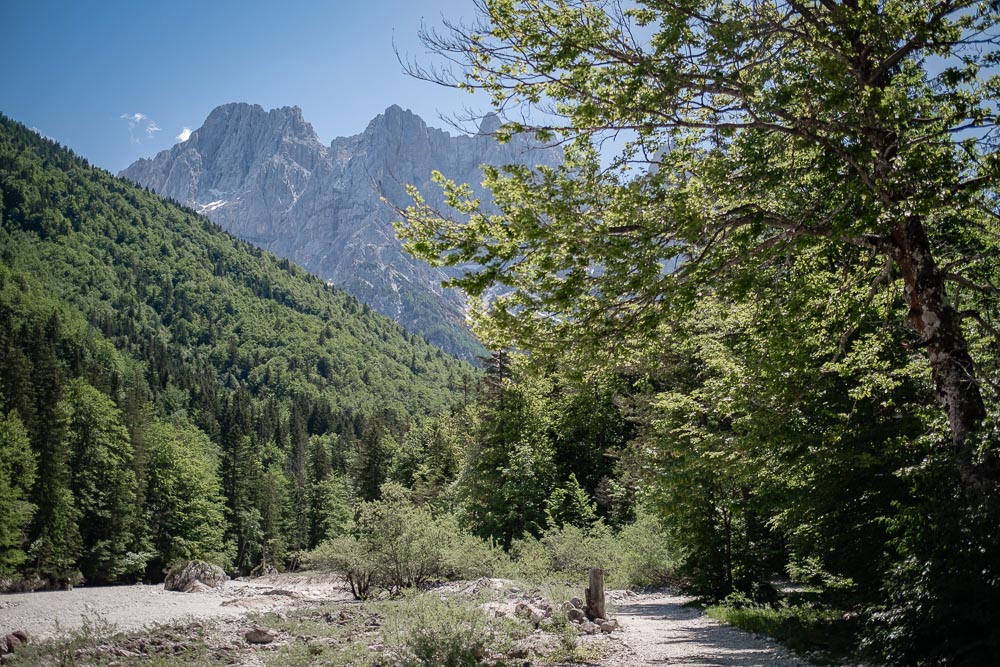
point(311, 619)
point(48, 613)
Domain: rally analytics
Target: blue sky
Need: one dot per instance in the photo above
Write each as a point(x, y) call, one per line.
point(80, 72)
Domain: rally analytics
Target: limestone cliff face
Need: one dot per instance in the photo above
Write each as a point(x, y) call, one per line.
point(264, 176)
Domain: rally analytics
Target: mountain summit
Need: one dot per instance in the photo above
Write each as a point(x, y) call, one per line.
point(266, 177)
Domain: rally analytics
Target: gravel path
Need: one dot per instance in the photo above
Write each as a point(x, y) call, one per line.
point(660, 630)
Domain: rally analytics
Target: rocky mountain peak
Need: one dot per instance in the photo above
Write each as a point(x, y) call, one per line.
point(265, 177)
point(490, 124)
point(396, 122)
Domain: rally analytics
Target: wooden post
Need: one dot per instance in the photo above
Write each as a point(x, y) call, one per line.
point(595, 595)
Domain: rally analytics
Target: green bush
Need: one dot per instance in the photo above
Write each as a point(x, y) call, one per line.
point(347, 556)
point(638, 555)
point(466, 555)
point(424, 630)
point(646, 555)
point(394, 544)
point(565, 553)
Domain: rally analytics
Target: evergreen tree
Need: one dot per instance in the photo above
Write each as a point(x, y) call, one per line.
point(371, 457)
point(330, 497)
point(17, 474)
point(297, 519)
point(508, 469)
point(570, 504)
point(55, 536)
point(272, 500)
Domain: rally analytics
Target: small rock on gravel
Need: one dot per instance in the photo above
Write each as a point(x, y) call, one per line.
point(258, 636)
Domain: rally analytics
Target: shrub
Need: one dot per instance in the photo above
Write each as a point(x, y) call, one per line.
point(424, 630)
point(394, 544)
point(346, 555)
point(647, 557)
point(639, 555)
point(825, 635)
point(466, 555)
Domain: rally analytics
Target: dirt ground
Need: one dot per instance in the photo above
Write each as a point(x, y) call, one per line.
point(657, 629)
point(45, 614)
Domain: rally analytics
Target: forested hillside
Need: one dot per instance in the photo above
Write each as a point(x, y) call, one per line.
point(169, 392)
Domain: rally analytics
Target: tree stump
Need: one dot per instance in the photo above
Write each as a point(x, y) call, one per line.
point(595, 595)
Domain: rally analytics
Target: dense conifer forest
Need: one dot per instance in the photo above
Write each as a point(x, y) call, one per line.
point(169, 392)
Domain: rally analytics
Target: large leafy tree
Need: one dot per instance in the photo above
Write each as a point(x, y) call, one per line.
point(103, 483)
point(749, 132)
point(183, 495)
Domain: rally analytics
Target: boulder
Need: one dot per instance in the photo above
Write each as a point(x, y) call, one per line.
point(576, 615)
point(195, 576)
point(533, 645)
point(15, 640)
point(196, 587)
point(258, 636)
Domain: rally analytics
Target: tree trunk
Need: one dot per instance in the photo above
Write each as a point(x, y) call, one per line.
point(940, 330)
point(595, 595)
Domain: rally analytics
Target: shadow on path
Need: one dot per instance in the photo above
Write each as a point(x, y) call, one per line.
point(665, 632)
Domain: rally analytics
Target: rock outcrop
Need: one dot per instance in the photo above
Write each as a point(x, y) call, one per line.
point(265, 177)
point(195, 576)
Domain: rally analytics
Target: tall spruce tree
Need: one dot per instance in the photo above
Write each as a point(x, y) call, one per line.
point(55, 536)
point(17, 474)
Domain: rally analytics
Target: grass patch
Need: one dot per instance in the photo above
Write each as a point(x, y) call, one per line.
point(99, 643)
point(821, 635)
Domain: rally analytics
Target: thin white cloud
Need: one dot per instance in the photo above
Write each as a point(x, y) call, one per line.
point(42, 134)
point(136, 120)
point(184, 135)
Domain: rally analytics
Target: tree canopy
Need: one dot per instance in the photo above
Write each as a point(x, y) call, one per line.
point(859, 135)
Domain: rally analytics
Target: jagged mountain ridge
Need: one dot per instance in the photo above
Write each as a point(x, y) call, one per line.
point(266, 177)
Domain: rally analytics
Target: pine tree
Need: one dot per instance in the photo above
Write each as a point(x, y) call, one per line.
point(17, 474)
point(297, 519)
point(56, 543)
point(509, 469)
